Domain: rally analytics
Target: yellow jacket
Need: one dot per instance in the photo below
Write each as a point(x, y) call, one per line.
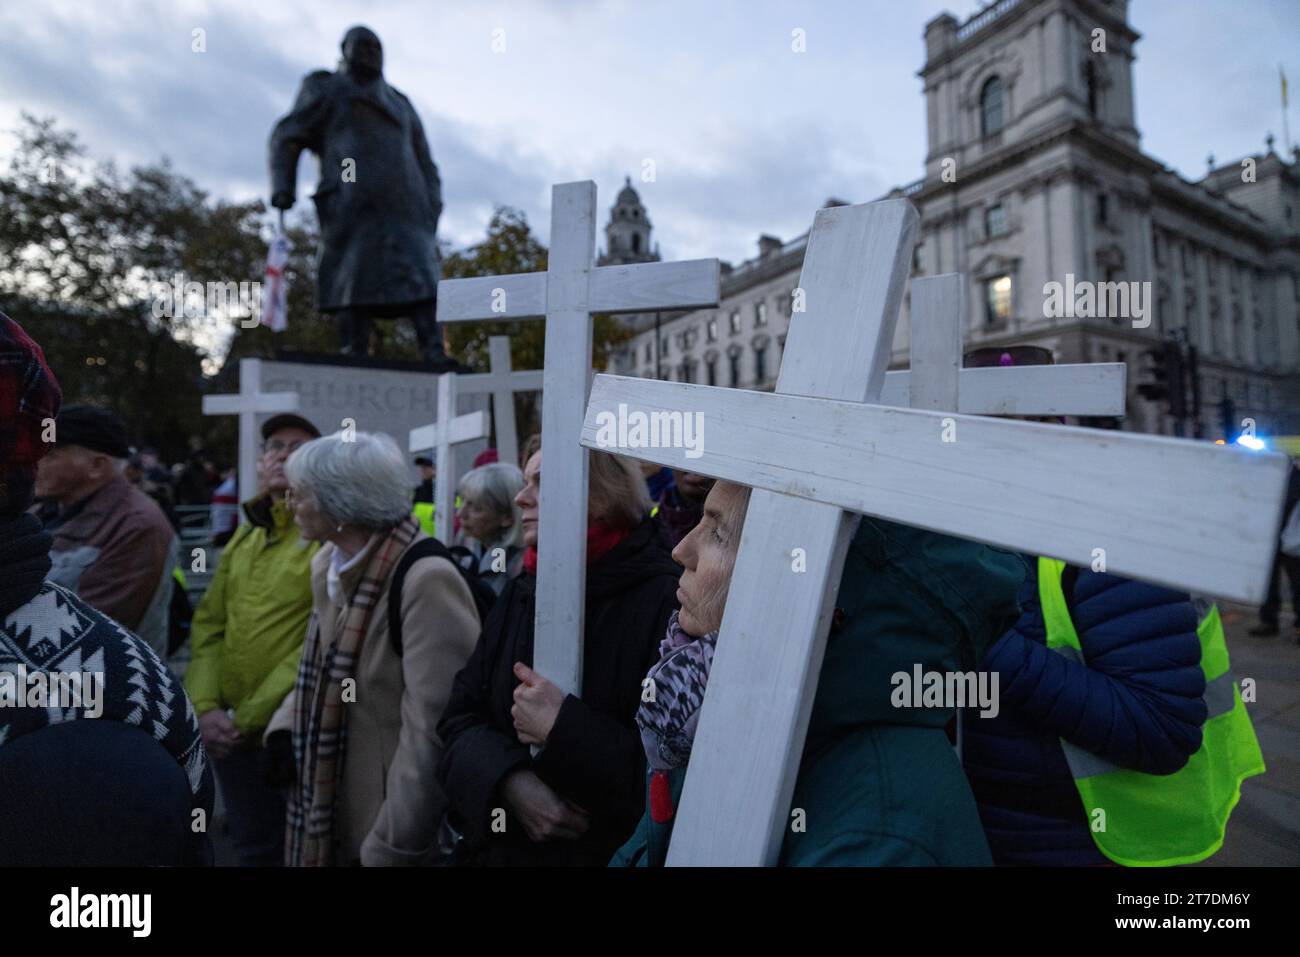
point(248, 630)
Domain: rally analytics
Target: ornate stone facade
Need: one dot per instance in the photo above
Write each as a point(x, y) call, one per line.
point(1034, 175)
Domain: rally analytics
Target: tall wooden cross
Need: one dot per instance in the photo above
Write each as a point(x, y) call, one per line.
point(450, 429)
point(502, 382)
point(566, 295)
point(248, 404)
point(936, 380)
point(938, 308)
point(1180, 513)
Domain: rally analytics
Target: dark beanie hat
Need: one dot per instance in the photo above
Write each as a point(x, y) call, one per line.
point(29, 398)
point(91, 427)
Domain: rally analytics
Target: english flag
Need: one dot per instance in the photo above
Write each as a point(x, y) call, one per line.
point(275, 290)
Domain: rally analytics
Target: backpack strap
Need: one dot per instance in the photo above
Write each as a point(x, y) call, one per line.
point(424, 548)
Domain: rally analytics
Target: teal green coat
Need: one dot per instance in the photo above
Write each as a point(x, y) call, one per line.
point(881, 785)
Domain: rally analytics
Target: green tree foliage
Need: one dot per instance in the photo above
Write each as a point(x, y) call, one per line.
point(83, 252)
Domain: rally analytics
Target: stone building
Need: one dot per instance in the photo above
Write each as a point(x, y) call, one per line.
point(1034, 176)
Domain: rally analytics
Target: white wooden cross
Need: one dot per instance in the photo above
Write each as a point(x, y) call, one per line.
point(938, 307)
point(567, 294)
point(502, 382)
point(450, 429)
point(936, 380)
point(248, 404)
point(1180, 513)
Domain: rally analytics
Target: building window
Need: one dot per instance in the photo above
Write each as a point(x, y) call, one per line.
point(735, 321)
point(991, 107)
point(995, 220)
point(648, 354)
point(1103, 209)
point(663, 346)
point(760, 364)
point(997, 301)
point(918, 259)
point(734, 360)
point(760, 314)
point(688, 371)
point(712, 330)
point(1090, 84)
point(711, 369)
point(636, 243)
point(785, 304)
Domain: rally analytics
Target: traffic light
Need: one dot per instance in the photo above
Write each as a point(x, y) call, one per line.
point(1167, 380)
point(1156, 388)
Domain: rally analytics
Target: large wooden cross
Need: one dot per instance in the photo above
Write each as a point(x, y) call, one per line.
point(248, 404)
point(450, 430)
point(1176, 512)
point(571, 290)
point(502, 382)
point(936, 380)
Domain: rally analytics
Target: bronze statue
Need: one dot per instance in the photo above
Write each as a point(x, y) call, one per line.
point(378, 199)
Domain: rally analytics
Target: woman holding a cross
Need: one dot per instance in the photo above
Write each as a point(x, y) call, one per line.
point(878, 784)
point(535, 776)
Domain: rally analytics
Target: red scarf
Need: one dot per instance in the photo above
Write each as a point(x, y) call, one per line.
point(600, 539)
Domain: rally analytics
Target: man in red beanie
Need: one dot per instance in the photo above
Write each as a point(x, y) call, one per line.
point(131, 788)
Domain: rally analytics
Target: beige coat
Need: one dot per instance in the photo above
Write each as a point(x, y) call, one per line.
point(389, 802)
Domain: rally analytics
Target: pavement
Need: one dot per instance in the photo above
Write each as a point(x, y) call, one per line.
point(1264, 830)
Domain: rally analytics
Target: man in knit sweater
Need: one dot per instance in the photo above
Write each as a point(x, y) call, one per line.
point(131, 787)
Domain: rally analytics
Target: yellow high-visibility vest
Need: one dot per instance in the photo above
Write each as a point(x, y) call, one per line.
point(1161, 819)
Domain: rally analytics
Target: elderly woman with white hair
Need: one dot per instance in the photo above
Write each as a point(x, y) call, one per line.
point(490, 521)
point(367, 701)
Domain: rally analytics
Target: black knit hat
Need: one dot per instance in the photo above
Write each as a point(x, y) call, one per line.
point(91, 427)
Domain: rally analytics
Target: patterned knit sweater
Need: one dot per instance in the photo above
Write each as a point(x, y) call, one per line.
point(57, 634)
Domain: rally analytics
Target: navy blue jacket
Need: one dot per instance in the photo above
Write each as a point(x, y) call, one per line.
point(1137, 702)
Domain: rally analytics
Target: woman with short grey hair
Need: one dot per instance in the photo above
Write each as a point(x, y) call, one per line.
point(490, 521)
point(361, 687)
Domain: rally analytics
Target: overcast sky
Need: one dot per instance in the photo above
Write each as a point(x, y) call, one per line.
point(747, 136)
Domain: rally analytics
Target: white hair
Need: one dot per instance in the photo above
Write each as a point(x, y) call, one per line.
point(494, 486)
point(359, 480)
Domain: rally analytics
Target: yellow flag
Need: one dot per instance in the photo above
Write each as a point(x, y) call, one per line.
point(1282, 74)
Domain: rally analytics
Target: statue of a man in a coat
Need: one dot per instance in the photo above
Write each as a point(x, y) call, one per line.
point(378, 199)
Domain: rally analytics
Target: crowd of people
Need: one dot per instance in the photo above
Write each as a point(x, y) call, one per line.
point(367, 695)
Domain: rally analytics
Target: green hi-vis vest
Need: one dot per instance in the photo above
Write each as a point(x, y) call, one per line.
point(1153, 820)
point(423, 511)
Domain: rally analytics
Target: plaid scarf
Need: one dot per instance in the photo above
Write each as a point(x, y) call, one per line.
point(320, 717)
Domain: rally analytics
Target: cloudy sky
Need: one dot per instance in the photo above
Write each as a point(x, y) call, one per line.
point(746, 136)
